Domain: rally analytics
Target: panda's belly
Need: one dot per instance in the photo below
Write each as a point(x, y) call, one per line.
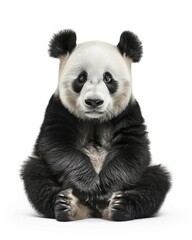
point(96, 154)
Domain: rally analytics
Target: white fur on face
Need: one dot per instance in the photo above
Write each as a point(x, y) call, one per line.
point(95, 58)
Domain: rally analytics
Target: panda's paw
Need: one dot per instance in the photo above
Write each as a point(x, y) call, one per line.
point(118, 206)
point(122, 206)
point(64, 207)
point(69, 208)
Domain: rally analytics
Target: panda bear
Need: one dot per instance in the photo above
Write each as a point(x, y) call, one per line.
point(92, 157)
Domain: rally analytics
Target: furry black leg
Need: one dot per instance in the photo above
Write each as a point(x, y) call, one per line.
point(47, 196)
point(40, 187)
point(144, 200)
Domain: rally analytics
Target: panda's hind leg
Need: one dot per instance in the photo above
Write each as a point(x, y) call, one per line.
point(144, 200)
point(47, 196)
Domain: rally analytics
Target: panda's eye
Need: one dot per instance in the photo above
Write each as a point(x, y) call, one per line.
point(107, 77)
point(82, 77)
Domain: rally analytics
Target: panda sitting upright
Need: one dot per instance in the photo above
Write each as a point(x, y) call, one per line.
point(92, 158)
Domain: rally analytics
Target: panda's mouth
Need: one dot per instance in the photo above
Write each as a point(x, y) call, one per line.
point(93, 112)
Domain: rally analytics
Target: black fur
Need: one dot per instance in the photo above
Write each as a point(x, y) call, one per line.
point(60, 164)
point(130, 45)
point(62, 43)
point(40, 185)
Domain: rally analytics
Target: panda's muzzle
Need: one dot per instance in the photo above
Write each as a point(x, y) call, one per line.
point(94, 102)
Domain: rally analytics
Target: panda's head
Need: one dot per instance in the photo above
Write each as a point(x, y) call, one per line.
point(95, 77)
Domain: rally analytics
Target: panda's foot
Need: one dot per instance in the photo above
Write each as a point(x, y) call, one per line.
point(69, 208)
point(63, 209)
point(122, 206)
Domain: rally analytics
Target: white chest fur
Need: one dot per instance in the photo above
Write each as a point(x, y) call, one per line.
point(96, 154)
point(94, 140)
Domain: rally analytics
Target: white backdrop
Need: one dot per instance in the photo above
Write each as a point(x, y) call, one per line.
point(161, 84)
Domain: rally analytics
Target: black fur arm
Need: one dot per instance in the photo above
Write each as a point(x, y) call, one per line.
point(129, 154)
point(56, 144)
point(73, 166)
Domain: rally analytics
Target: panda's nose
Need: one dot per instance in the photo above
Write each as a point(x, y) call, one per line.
point(94, 102)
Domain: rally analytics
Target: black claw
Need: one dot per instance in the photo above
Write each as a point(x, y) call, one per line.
point(61, 201)
point(63, 206)
point(119, 195)
point(119, 205)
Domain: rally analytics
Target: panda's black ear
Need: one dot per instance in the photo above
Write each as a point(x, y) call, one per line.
point(130, 45)
point(62, 43)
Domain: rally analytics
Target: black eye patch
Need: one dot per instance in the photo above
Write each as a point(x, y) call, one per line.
point(79, 82)
point(111, 84)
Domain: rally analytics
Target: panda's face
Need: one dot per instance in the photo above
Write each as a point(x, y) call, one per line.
point(95, 81)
